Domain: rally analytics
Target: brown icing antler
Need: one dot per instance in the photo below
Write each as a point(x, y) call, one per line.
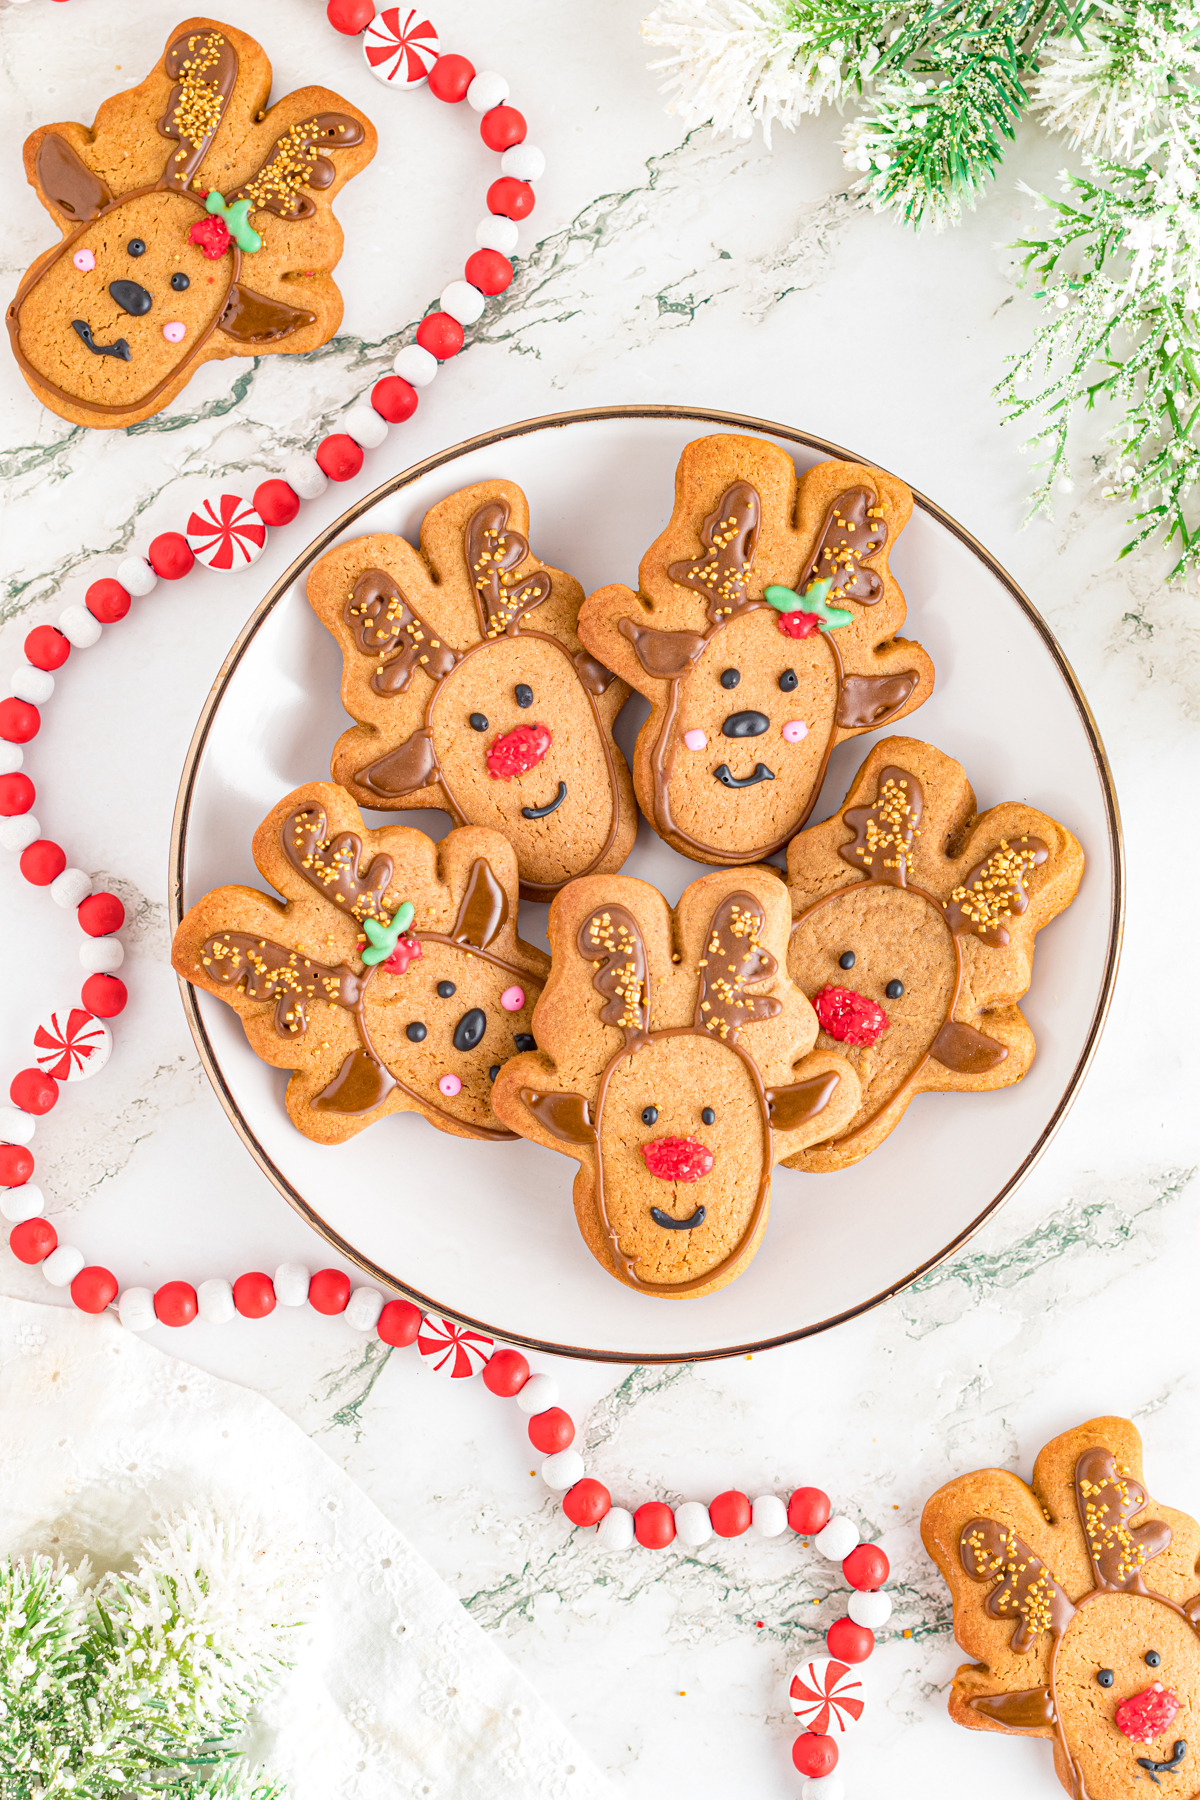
point(484, 910)
point(493, 551)
point(884, 833)
point(995, 890)
point(730, 536)
point(67, 182)
point(612, 939)
point(204, 66)
point(295, 161)
point(854, 529)
point(1022, 1586)
point(734, 959)
point(331, 865)
point(381, 618)
point(268, 971)
point(1107, 1499)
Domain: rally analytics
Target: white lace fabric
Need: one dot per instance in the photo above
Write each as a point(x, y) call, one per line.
point(396, 1694)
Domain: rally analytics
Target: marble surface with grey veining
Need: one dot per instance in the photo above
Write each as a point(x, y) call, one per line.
point(657, 266)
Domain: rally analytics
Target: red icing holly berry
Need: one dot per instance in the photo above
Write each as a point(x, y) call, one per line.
point(849, 1017)
point(518, 751)
point(212, 235)
point(1144, 1715)
point(677, 1159)
point(798, 624)
point(408, 950)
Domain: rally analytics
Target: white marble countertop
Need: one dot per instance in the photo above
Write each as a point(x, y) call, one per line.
point(710, 274)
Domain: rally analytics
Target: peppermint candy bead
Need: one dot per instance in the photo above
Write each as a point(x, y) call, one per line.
point(400, 49)
point(452, 1350)
point(72, 1045)
point(226, 534)
point(826, 1696)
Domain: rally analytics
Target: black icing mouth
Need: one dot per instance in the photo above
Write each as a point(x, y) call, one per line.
point(1155, 1769)
point(697, 1218)
point(543, 812)
point(120, 349)
point(761, 773)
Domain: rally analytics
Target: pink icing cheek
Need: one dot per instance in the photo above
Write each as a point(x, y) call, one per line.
point(695, 740)
point(449, 1085)
point(84, 261)
point(174, 332)
point(794, 731)
point(513, 999)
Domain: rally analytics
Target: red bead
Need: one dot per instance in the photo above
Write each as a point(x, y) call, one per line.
point(340, 457)
point(94, 1288)
point(100, 915)
point(17, 795)
point(730, 1514)
point(43, 862)
point(866, 1568)
point(587, 1502)
point(32, 1240)
point(33, 1092)
point(502, 127)
point(175, 1303)
point(107, 601)
point(399, 1323)
point(450, 77)
point(275, 502)
point(808, 1511)
point(394, 399)
point(814, 1755)
point(510, 197)
point(19, 721)
point(490, 272)
point(16, 1165)
point(170, 555)
point(849, 1642)
point(350, 17)
point(104, 995)
point(254, 1295)
point(441, 335)
point(46, 648)
point(551, 1430)
point(505, 1373)
point(654, 1525)
point(329, 1291)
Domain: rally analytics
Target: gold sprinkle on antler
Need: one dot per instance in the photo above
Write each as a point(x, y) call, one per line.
point(731, 536)
point(493, 554)
point(1023, 1589)
point(884, 833)
point(269, 971)
point(611, 939)
point(734, 960)
point(1107, 1498)
point(994, 891)
point(331, 865)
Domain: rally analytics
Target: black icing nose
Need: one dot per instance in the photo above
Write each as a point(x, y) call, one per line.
point(746, 724)
point(470, 1029)
point(130, 297)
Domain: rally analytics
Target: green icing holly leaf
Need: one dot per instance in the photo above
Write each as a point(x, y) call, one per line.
point(237, 221)
point(382, 939)
point(813, 600)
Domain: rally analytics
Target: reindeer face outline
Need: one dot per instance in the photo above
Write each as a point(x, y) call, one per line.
point(472, 690)
point(194, 223)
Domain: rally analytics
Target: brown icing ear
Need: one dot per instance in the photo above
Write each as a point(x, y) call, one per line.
point(295, 161)
point(994, 891)
point(966, 1051)
point(854, 529)
point(665, 654)
point(204, 66)
point(788, 1107)
point(733, 959)
point(251, 318)
point(565, 1116)
point(493, 552)
point(873, 699)
point(592, 674)
point(267, 971)
point(883, 834)
point(67, 182)
point(380, 618)
point(484, 908)
point(331, 865)
point(612, 939)
point(1018, 1709)
point(1023, 1589)
point(1107, 1498)
point(411, 765)
point(730, 537)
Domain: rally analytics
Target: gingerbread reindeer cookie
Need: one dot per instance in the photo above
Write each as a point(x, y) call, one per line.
point(390, 979)
point(763, 634)
point(196, 223)
point(676, 1066)
point(1078, 1599)
point(914, 934)
point(473, 692)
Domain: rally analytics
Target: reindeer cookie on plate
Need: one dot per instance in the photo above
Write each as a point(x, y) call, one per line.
point(195, 222)
point(676, 1065)
point(473, 692)
point(763, 634)
point(914, 934)
point(1079, 1600)
point(391, 979)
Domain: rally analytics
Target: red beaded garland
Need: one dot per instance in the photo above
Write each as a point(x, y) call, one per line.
point(47, 648)
point(506, 1373)
point(33, 1091)
point(104, 995)
point(730, 1514)
point(654, 1525)
point(100, 915)
point(17, 795)
point(849, 1642)
point(94, 1288)
point(866, 1568)
point(175, 1303)
point(450, 77)
point(254, 1295)
point(107, 601)
point(43, 862)
point(808, 1511)
point(170, 555)
point(339, 456)
point(350, 17)
point(399, 1323)
point(552, 1430)
point(814, 1755)
point(33, 1240)
point(19, 721)
point(587, 1502)
point(503, 127)
point(275, 502)
point(329, 1291)
point(394, 399)
point(511, 198)
point(490, 272)
point(16, 1165)
point(441, 335)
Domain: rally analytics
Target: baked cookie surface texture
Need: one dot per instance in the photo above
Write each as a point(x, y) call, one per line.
point(1078, 1598)
point(390, 979)
point(473, 691)
point(915, 920)
point(763, 634)
point(196, 223)
point(676, 1065)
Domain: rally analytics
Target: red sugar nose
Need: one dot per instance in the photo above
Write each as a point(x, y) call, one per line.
point(1143, 1716)
point(518, 751)
point(677, 1159)
point(849, 1017)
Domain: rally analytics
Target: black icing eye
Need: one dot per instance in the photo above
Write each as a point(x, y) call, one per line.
point(478, 722)
point(179, 281)
point(445, 989)
point(649, 1115)
point(846, 959)
point(1152, 1659)
point(136, 247)
point(524, 1041)
point(1105, 1677)
point(709, 1116)
point(894, 989)
point(523, 695)
point(493, 1071)
point(788, 680)
point(730, 678)
point(415, 1033)
point(468, 1033)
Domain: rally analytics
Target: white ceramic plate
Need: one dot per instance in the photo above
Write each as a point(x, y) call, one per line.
point(487, 1233)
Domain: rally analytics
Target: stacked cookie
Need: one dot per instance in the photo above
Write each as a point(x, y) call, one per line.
point(675, 1054)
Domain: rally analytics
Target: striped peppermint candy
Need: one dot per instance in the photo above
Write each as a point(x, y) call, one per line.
point(453, 1350)
point(226, 533)
point(826, 1696)
point(72, 1044)
point(400, 48)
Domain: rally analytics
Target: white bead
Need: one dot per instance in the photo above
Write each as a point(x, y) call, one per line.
point(824, 1787)
point(69, 888)
point(291, 1284)
point(838, 1538)
point(305, 476)
point(487, 90)
point(100, 956)
point(62, 1265)
point(416, 365)
point(463, 302)
point(214, 1301)
point(34, 685)
point(692, 1524)
point(11, 757)
point(362, 1313)
point(16, 834)
point(539, 1394)
point(19, 1203)
point(768, 1515)
point(135, 1308)
point(367, 427)
point(16, 1127)
point(871, 1610)
point(562, 1470)
point(79, 627)
point(525, 162)
point(615, 1530)
point(136, 576)
point(497, 233)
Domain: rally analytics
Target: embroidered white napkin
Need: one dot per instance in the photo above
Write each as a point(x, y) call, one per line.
point(396, 1693)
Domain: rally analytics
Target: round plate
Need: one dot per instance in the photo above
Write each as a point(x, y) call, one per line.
point(487, 1234)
